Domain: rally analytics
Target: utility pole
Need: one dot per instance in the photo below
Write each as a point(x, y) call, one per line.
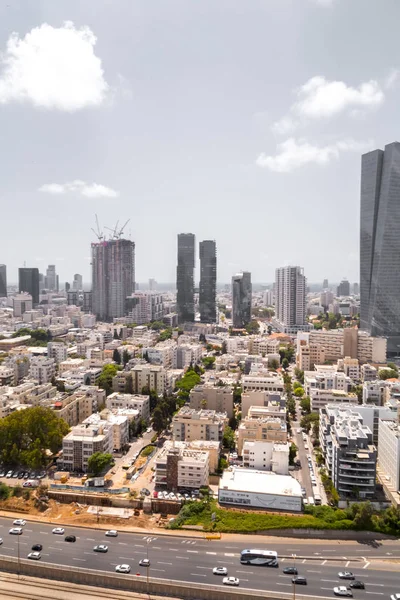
point(148, 564)
point(294, 585)
point(19, 559)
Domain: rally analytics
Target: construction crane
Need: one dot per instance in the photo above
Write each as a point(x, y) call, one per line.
point(98, 233)
point(117, 233)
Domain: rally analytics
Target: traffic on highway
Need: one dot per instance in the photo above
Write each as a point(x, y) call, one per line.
point(321, 565)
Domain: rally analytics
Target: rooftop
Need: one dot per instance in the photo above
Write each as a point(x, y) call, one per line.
point(250, 480)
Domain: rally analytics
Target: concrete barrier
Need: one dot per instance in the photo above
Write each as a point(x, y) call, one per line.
point(160, 587)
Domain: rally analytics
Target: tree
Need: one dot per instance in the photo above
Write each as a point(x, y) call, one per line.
point(157, 325)
point(387, 374)
point(237, 394)
point(4, 491)
point(146, 356)
point(308, 421)
point(208, 362)
point(99, 462)
point(233, 423)
point(273, 364)
point(116, 336)
point(291, 407)
point(252, 327)
point(299, 392)
point(166, 334)
point(129, 384)
point(299, 374)
point(292, 453)
point(228, 438)
point(202, 338)
point(224, 348)
point(125, 357)
point(358, 390)
point(117, 356)
point(305, 404)
point(106, 377)
point(285, 363)
point(392, 366)
point(159, 422)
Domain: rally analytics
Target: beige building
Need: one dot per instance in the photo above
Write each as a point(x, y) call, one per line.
point(272, 383)
point(320, 398)
point(351, 342)
point(213, 449)
point(83, 441)
point(42, 369)
point(263, 346)
point(215, 398)
point(309, 355)
point(75, 409)
point(270, 400)
point(260, 426)
point(190, 424)
point(130, 401)
point(179, 468)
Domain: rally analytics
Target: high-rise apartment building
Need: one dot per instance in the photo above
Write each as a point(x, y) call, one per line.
point(51, 279)
point(185, 277)
point(241, 299)
point(325, 284)
point(290, 303)
point(113, 277)
point(77, 284)
point(29, 282)
point(3, 281)
point(343, 289)
point(208, 281)
point(380, 244)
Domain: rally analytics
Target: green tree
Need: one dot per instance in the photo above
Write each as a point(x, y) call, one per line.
point(157, 325)
point(166, 334)
point(292, 453)
point(358, 390)
point(273, 364)
point(387, 374)
point(159, 421)
point(233, 423)
point(99, 462)
point(116, 336)
point(308, 421)
point(299, 374)
point(125, 357)
point(208, 362)
point(129, 384)
point(106, 377)
point(253, 327)
point(117, 356)
point(291, 407)
point(285, 363)
point(237, 394)
point(228, 438)
point(394, 367)
point(305, 404)
point(299, 392)
point(4, 491)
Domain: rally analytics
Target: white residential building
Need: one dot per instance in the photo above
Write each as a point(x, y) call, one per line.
point(272, 383)
point(320, 398)
point(58, 351)
point(21, 304)
point(83, 441)
point(324, 378)
point(266, 456)
point(389, 453)
point(374, 392)
point(130, 401)
point(42, 369)
point(369, 373)
point(7, 376)
point(180, 468)
point(119, 425)
point(290, 299)
point(190, 424)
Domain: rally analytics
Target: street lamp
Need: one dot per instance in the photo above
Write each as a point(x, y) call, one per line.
point(294, 585)
point(148, 564)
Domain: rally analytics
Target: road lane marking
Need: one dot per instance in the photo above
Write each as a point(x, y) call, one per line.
point(324, 562)
point(347, 564)
point(283, 559)
point(366, 565)
point(213, 553)
point(223, 562)
point(160, 570)
point(80, 559)
point(309, 571)
point(183, 557)
point(329, 580)
point(196, 552)
point(122, 544)
point(30, 531)
point(23, 543)
point(156, 547)
point(139, 545)
point(41, 532)
point(228, 554)
point(247, 572)
point(377, 584)
point(90, 540)
point(159, 562)
point(198, 575)
point(376, 593)
point(173, 549)
point(304, 561)
point(330, 589)
point(284, 584)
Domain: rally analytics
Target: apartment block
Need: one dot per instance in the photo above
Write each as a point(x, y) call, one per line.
point(259, 425)
point(263, 346)
point(58, 351)
point(42, 369)
point(187, 354)
point(374, 392)
point(368, 373)
point(350, 455)
point(6, 376)
point(118, 424)
point(320, 398)
point(272, 383)
point(163, 354)
point(389, 453)
point(76, 408)
point(131, 401)
point(215, 398)
point(190, 424)
point(309, 355)
point(273, 401)
point(266, 456)
point(153, 377)
point(83, 441)
point(351, 342)
point(326, 379)
point(179, 468)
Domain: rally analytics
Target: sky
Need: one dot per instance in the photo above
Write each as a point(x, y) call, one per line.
point(242, 121)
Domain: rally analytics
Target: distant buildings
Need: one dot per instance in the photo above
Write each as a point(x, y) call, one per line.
point(380, 244)
point(208, 281)
point(77, 284)
point(113, 277)
point(3, 281)
point(21, 304)
point(339, 343)
point(241, 299)
point(189, 424)
point(185, 277)
point(51, 279)
point(343, 289)
point(290, 299)
point(145, 307)
point(29, 282)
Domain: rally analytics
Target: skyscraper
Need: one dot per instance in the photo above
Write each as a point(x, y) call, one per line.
point(343, 289)
point(380, 244)
point(241, 299)
point(77, 284)
point(113, 277)
point(290, 302)
point(3, 281)
point(51, 279)
point(325, 284)
point(208, 281)
point(185, 277)
point(29, 282)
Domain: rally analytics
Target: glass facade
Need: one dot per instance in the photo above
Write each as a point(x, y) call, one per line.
point(185, 277)
point(241, 299)
point(208, 281)
point(29, 282)
point(3, 281)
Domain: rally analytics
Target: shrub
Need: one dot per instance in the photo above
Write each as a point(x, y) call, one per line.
point(147, 451)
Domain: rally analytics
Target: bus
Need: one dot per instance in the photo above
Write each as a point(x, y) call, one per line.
point(266, 558)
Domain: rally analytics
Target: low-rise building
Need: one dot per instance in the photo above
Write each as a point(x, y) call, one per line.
point(368, 373)
point(309, 355)
point(260, 425)
point(212, 397)
point(6, 376)
point(326, 378)
point(181, 468)
point(266, 456)
point(130, 401)
point(319, 398)
point(152, 377)
point(190, 424)
point(272, 400)
point(272, 383)
point(42, 369)
point(374, 392)
point(119, 425)
point(58, 351)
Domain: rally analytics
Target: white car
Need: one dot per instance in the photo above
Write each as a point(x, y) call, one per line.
point(15, 531)
point(100, 548)
point(342, 591)
point(58, 530)
point(112, 533)
point(346, 575)
point(34, 555)
point(19, 522)
point(122, 569)
point(145, 562)
point(230, 581)
point(220, 571)
point(395, 597)
point(1, 541)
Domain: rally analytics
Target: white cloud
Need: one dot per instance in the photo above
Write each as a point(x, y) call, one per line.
point(321, 98)
point(293, 154)
point(392, 78)
point(53, 68)
point(90, 190)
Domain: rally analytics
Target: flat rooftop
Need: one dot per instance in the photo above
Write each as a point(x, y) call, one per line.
point(251, 480)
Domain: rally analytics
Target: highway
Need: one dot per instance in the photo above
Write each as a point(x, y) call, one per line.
point(192, 560)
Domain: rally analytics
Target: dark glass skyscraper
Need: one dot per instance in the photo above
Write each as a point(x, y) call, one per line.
point(241, 299)
point(3, 281)
point(185, 277)
point(380, 244)
point(29, 282)
point(208, 281)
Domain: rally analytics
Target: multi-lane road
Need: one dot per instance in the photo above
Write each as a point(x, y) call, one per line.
point(192, 560)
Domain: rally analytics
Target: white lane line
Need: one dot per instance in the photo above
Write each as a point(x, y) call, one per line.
point(160, 570)
point(44, 554)
point(366, 565)
point(228, 554)
point(244, 579)
point(139, 545)
point(323, 562)
point(376, 593)
point(309, 571)
point(283, 584)
point(213, 553)
point(54, 548)
point(365, 550)
point(90, 540)
point(344, 557)
point(248, 572)
point(159, 562)
point(156, 547)
point(347, 564)
point(204, 568)
point(7, 548)
point(41, 532)
point(198, 575)
point(330, 589)
point(122, 544)
point(80, 559)
point(183, 557)
point(173, 549)
point(23, 543)
point(329, 580)
point(223, 562)
point(194, 551)
point(377, 584)
point(283, 559)
point(304, 561)
point(30, 531)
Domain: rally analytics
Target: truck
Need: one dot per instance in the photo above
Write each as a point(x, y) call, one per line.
point(311, 501)
point(31, 483)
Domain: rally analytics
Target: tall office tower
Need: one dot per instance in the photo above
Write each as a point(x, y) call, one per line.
point(3, 281)
point(380, 244)
point(152, 285)
point(29, 282)
point(325, 284)
point(343, 289)
point(185, 277)
point(77, 284)
point(51, 279)
point(290, 302)
point(113, 277)
point(241, 299)
point(67, 286)
point(356, 289)
point(208, 281)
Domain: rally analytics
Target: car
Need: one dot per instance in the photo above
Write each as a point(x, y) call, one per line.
point(20, 475)
point(9, 474)
point(26, 475)
point(34, 555)
point(37, 547)
point(220, 571)
point(357, 585)
point(58, 530)
point(290, 570)
point(70, 538)
point(112, 533)
point(341, 590)
point(100, 548)
point(145, 562)
point(346, 575)
point(395, 597)
point(1, 541)
point(230, 581)
point(15, 475)
point(19, 522)
point(299, 580)
point(2, 473)
point(16, 531)
point(122, 569)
